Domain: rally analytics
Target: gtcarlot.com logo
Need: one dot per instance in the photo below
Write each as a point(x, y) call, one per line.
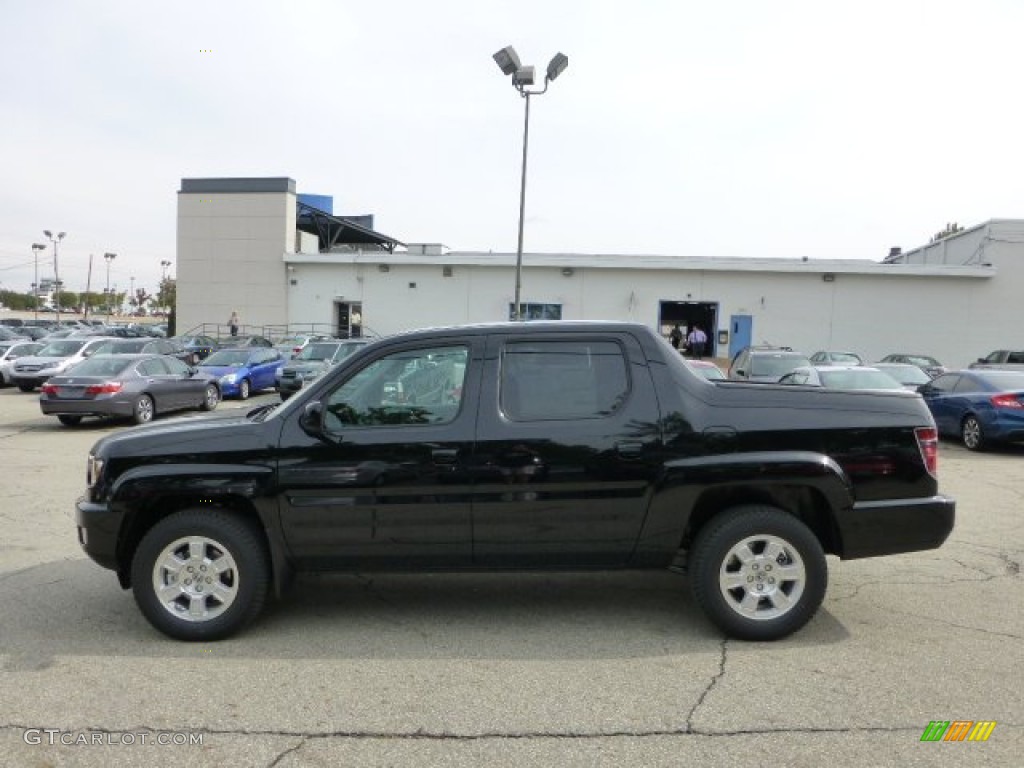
point(57, 737)
point(958, 730)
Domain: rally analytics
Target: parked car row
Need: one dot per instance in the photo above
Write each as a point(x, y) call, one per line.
point(981, 406)
point(139, 378)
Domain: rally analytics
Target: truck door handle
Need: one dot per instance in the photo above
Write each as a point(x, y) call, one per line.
point(629, 450)
point(444, 455)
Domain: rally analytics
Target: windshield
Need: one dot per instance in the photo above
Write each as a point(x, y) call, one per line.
point(102, 366)
point(922, 360)
point(907, 374)
point(858, 379)
point(1004, 380)
point(119, 347)
point(776, 366)
point(845, 357)
point(63, 348)
point(231, 357)
point(317, 351)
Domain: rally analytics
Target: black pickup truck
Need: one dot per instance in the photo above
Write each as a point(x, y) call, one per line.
point(539, 446)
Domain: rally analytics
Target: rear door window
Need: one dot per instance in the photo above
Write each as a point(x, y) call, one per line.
point(548, 380)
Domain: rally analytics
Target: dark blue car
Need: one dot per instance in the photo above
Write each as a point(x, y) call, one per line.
point(243, 371)
point(979, 407)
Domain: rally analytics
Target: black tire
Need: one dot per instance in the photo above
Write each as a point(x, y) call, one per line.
point(284, 395)
point(971, 434)
point(236, 588)
point(211, 398)
point(26, 387)
point(244, 389)
point(143, 410)
point(776, 543)
point(68, 420)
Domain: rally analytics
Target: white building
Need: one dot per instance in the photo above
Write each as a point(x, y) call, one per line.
point(254, 246)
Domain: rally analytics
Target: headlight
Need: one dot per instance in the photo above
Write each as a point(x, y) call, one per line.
point(93, 470)
point(228, 379)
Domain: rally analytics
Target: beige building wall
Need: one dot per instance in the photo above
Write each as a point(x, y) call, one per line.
point(232, 237)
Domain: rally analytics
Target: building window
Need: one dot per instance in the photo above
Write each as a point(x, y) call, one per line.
point(536, 311)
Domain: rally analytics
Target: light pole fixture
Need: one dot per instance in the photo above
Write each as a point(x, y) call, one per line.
point(522, 77)
point(108, 257)
point(131, 292)
point(36, 248)
point(56, 272)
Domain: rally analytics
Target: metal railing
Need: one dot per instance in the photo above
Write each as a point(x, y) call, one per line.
point(221, 332)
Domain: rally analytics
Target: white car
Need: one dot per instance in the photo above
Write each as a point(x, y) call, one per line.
point(56, 357)
point(841, 377)
point(11, 351)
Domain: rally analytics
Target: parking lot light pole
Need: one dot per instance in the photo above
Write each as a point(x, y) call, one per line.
point(36, 248)
point(522, 77)
point(108, 257)
point(56, 272)
point(164, 266)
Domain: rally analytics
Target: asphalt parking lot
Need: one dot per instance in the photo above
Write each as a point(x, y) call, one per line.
point(535, 669)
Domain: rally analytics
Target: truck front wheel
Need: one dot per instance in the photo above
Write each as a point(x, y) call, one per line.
point(200, 574)
point(758, 573)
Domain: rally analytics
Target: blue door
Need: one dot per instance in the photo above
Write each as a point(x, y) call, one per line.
point(740, 333)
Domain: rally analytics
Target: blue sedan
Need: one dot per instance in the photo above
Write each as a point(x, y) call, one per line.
point(980, 407)
point(240, 372)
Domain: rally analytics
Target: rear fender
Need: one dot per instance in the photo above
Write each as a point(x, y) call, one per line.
point(809, 485)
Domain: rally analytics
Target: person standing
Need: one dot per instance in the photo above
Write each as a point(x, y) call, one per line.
point(675, 337)
point(233, 322)
point(697, 340)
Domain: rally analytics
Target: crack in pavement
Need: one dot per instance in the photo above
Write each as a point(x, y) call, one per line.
point(723, 648)
point(286, 752)
point(893, 583)
point(425, 735)
point(960, 626)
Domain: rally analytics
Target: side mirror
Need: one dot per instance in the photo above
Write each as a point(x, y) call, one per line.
point(311, 419)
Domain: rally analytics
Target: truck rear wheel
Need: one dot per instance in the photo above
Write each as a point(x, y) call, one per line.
point(200, 574)
point(758, 573)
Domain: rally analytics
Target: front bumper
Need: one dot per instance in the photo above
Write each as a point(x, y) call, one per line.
point(97, 531)
point(890, 527)
point(35, 379)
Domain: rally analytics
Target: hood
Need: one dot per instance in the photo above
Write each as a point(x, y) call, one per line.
point(33, 360)
point(235, 435)
point(306, 366)
point(221, 370)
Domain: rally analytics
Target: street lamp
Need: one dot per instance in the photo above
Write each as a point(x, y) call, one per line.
point(36, 248)
point(508, 61)
point(56, 273)
point(164, 265)
point(131, 293)
point(108, 257)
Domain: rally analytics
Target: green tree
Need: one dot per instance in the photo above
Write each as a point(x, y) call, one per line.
point(167, 296)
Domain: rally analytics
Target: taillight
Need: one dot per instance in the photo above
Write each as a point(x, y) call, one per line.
point(49, 389)
point(1006, 401)
point(928, 443)
point(106, 388)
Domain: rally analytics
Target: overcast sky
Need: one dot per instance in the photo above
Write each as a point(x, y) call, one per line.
point(736, 128)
